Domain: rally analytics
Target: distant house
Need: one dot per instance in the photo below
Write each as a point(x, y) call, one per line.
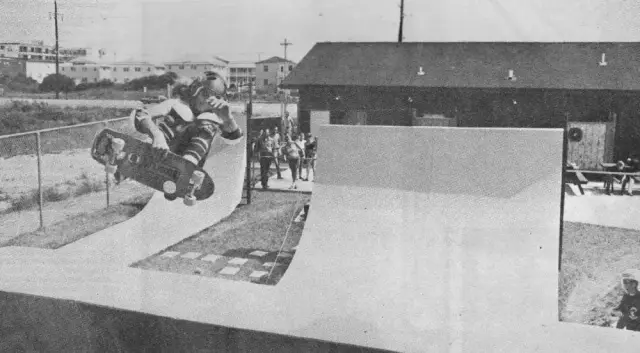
point(271, 72)
point(475, 84)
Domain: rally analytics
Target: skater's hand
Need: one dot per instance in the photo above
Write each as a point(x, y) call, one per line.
point(220, 106)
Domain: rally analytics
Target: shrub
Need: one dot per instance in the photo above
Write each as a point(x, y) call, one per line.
point(62, 82)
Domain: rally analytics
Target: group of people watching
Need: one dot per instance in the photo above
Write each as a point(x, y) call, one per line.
point(298, 150)
point(631, 165)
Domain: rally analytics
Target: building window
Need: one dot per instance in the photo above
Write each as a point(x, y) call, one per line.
point(281, 68)
point(126, 69)
point(290, 67)
point(181, 67)
point(148, 69)
point(1, 46)
point(137, 69)
point(73, 69)
point(84, 69)
point(265, 68)
point(266, 82)
point(193, 67)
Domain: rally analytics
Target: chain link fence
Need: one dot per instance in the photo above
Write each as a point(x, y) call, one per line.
point(48, 176)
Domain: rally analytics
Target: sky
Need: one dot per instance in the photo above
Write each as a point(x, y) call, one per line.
point(162, 30)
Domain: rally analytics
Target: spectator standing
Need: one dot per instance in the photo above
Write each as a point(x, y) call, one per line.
point(266, 147)
point(300, 142)
point(311, 149)
point(277, 150)
point(293, 153)
point(632, 165)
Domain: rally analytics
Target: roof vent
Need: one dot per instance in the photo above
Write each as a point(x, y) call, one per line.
point(420, 72)
point(603, 61)
point(511, 76)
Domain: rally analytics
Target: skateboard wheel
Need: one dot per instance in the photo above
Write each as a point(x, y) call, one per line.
point(170, 197)
point(111, 169)
point(189, 200)
point(117, 144)
point(169, 187)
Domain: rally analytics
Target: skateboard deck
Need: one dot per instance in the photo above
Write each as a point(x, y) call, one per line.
point(161, 170)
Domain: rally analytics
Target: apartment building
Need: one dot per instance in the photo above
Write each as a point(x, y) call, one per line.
point(37, 50)
point(241, 73)
point(271, 72)
point(82, 70)
point(192, 69)
point(12, 67)
point(125, 71)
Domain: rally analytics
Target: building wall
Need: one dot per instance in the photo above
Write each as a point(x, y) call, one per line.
point(12, 67)
point(81, 73)
point(270, 75)
point(38, 70)
point(125, 72)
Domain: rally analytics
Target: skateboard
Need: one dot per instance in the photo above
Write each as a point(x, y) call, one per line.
point(159, 169)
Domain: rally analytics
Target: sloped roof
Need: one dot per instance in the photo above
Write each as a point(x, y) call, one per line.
point(560, 65)
point(274, 60)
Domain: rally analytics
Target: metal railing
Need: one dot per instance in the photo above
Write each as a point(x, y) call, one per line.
point(68, 144)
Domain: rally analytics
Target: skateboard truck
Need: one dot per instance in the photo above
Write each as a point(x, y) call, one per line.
point(196, 180)
point(116, 148)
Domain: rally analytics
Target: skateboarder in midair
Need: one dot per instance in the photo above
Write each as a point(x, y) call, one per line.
point(188, 124)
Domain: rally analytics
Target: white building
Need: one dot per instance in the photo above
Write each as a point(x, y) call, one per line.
point(37, 50)
point(241, 72)
point(82, 70)
point(38, 70)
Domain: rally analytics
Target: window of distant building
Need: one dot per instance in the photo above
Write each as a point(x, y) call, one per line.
point(126, 69)
point(181, 67)
point(1, 46)
point(281, 68)
point(138, 69)
point(290, 67)
point(84, 69)
point(73, 69)
point(265, 68)
point(148, 69)
point(266, 82)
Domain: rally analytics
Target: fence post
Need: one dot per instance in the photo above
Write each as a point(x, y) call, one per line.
point(106, 175)
point(40, 191)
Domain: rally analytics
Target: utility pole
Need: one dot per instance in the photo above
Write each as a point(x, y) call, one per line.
point(401, 21)
point(55, 21)
point(284, 69)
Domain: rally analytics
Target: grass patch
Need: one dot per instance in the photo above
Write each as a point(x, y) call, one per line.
point(262, 225)
point(80, 226)
point(82, 186)
point(592, 259)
